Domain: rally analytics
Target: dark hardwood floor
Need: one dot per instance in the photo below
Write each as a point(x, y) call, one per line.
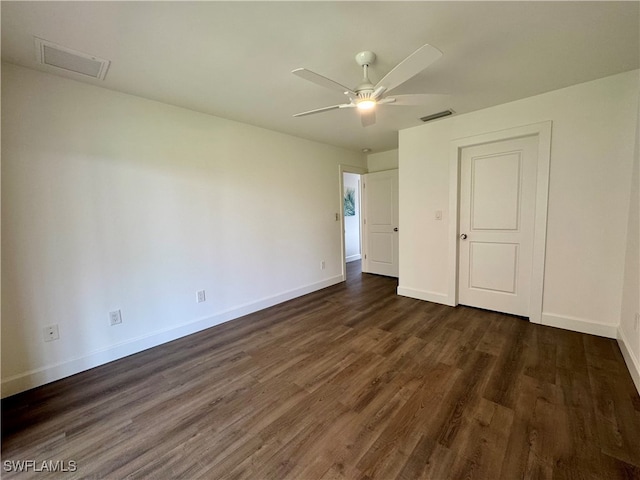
point(351, 382)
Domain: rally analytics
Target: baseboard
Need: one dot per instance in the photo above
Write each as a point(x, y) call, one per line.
point(579, 325)
point(37, 377)
point(633, 364)
point(353, 258)
point(434, 297)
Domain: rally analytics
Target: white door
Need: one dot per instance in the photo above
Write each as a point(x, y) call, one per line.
point(380, 192)
point(497, 208)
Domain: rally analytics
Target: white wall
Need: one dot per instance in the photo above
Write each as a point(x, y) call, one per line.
point(591, 163)
point(110, 201)
point(377, 162)
point(629, 331)
point(352, 223)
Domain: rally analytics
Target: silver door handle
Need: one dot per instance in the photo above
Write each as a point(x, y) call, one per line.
point(463, 236)
point(395, 229)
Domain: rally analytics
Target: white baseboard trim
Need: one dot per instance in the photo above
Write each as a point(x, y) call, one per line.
point(633, 364)
point(434, 297)
point(50, 373)
point(353, 258)
point(579, 325)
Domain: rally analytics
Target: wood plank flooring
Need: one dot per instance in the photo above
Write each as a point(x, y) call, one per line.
point(351, 382)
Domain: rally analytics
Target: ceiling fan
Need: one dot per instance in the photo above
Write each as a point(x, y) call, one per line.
point(366, 96)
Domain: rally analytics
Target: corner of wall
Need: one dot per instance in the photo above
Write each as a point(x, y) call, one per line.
point(628, 335)
point(633, 363)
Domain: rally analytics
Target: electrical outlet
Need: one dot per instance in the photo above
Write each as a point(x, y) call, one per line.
point(200, 296)
point(115, 317)
point(322, 265)
point(51, 333)
point(438, 214)
point(636, 325)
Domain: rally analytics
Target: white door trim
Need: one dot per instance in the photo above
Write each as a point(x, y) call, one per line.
point(361, 171)
point(543, 132)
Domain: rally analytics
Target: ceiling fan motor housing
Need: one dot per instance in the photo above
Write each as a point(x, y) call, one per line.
point(366, 88)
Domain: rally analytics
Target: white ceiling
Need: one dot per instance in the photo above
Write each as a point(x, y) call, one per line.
point(233, 59)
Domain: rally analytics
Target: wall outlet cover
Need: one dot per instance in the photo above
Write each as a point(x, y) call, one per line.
point(200, 296)
point(115, 317)
point(51, 333)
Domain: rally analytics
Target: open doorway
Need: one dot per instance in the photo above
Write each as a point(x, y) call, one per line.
point(352, 214)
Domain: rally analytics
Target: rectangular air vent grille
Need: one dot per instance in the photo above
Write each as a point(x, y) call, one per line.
point(57, 56)
point(444, 113)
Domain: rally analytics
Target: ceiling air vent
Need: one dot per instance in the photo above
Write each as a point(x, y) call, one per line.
point(444, 113)
point(64, 58)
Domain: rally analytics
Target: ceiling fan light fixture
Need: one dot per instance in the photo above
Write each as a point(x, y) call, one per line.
point(366, 104)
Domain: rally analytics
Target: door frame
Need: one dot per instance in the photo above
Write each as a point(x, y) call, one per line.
point(542, 131)
point(343, 248)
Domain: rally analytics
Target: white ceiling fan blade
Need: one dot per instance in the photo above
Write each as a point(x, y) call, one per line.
point(368, 117)
point(410, 66)
point(324, 109)
point(322, 81)
point(417, 99)
point(377, 93)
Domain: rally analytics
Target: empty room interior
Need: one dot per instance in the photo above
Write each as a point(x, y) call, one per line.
point(320, 240)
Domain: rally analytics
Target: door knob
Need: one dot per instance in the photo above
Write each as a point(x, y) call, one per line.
point(395, 229)
point(463, 236)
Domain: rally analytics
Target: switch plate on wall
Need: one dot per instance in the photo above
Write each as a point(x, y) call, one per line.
point(438, 214)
